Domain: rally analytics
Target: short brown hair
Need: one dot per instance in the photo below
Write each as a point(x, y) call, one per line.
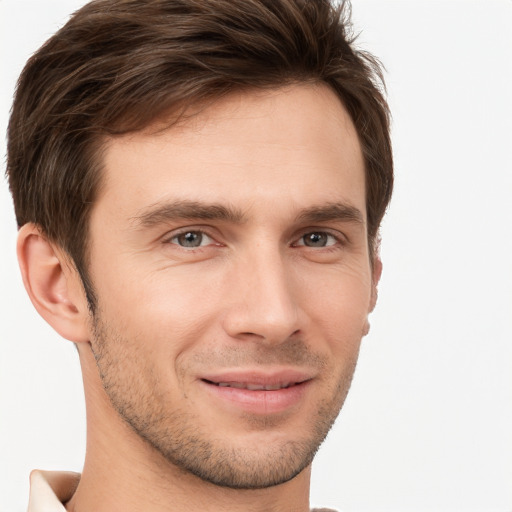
point(118, 65)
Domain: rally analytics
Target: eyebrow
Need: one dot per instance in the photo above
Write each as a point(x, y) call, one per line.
point(184, 209)
point(331, 212)
point(194, 210)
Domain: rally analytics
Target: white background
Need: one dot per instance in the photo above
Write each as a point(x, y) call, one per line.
point(428, 423)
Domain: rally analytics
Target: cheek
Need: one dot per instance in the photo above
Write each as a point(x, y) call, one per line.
point(344, 294)
point(168, 311)
point(338, 310)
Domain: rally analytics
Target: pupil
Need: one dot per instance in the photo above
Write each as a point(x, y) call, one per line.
point(190, 239)
point(315, 239)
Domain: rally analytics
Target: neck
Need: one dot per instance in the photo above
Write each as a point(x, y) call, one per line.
point(123, 472)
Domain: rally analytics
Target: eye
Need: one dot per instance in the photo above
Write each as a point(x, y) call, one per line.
point(317, 239)
point(191, 239)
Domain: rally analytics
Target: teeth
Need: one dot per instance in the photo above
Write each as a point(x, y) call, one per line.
point(238, 385)
point(254, 387)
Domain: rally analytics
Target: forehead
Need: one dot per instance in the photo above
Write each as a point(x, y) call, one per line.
point(294, 144)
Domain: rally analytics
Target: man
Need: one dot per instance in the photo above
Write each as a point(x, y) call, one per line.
point(199, 187)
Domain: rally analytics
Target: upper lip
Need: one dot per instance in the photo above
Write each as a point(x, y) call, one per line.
point(258, 379)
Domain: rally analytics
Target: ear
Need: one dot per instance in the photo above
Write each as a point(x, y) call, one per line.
point(376, 273)
point(53, 284)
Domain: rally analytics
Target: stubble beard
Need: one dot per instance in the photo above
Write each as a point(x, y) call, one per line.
point(135, 392)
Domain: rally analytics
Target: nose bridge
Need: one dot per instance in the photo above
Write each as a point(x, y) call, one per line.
point(265, 305)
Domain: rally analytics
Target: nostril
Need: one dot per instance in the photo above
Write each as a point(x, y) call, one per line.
point(265, 321)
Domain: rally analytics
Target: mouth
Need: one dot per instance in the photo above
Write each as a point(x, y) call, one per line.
point(253, 387)
point(258, 393)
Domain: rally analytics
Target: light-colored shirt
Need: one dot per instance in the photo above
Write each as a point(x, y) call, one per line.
point(50, 489)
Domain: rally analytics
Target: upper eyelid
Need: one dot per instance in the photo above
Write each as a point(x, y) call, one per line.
point(210, 232)
point(189, 229)
point(300, 242)
point(168, 241)
point(338, 235)
point(184, 232)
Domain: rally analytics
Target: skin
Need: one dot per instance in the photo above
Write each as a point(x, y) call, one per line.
point(273, 279)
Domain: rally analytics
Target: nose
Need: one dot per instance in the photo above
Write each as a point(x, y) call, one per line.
point(263, 306)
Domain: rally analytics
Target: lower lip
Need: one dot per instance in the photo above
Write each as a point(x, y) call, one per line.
point(260, 401)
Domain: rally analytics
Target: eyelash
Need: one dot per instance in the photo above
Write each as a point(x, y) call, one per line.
point(300, 242)
point(202, 232)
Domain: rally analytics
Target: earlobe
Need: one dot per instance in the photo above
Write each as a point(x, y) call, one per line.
point(52, 284)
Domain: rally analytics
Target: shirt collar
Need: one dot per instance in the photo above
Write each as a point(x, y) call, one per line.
point(50, 489)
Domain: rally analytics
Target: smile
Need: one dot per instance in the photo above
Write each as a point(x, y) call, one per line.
point(256, 392)
point(253, 387)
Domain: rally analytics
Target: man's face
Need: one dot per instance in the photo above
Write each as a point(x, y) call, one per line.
point(230, 261)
